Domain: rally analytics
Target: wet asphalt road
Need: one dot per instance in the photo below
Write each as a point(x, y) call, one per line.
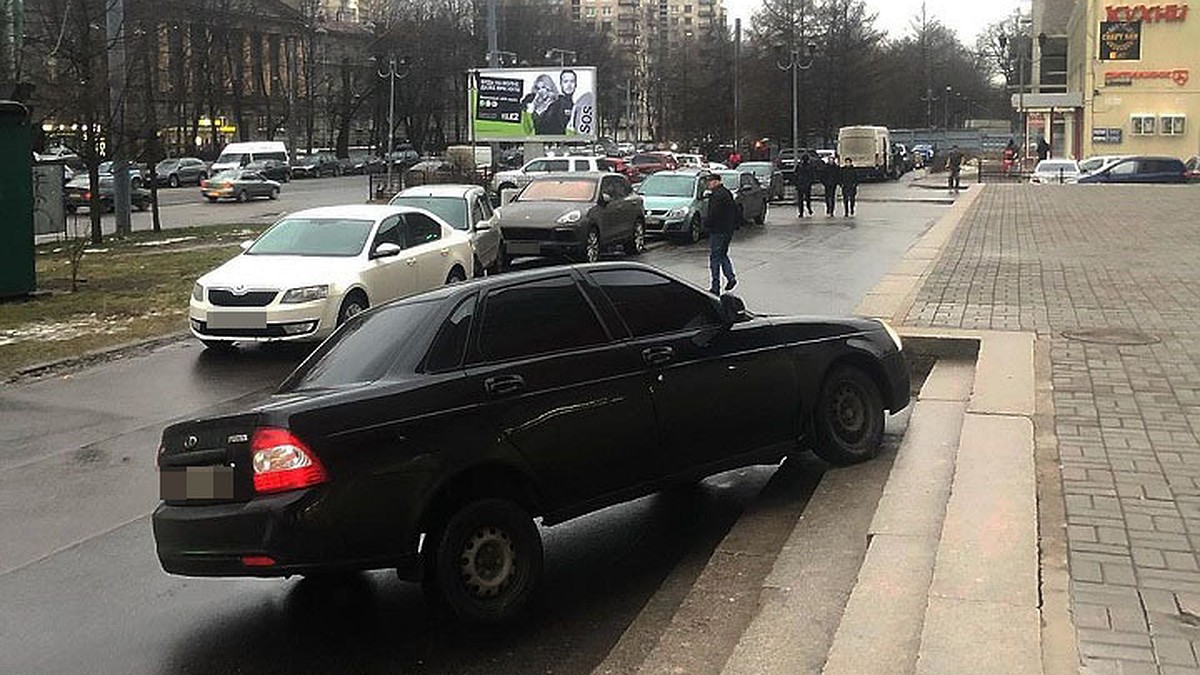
point(81, 590)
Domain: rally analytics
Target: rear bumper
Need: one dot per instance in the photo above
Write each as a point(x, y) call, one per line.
point(899, 381)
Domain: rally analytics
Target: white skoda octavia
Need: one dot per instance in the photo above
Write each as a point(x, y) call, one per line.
point(314, 269)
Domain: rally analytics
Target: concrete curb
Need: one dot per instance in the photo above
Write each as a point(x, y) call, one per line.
point(106, 354)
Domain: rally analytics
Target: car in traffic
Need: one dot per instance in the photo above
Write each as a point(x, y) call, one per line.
point(238, 155)
point(77, 193)
point(467, 209)
point(647, 163)
point(426, 435)
point(178, 171)
point(239, 185)
point(674, 203)
point(509, 180)
point(1058, 171)
point(271, 169)
point(751, 198)
point(316, 165)
point(1139, 169)
point(767, 176)
point(314, 269)
point(573, 215)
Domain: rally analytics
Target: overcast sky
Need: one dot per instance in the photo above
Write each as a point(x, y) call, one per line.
point(966, 17)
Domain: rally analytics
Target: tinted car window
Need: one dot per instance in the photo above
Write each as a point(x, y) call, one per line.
point(363, 349)
point(651, 304)
point(556, 165)
point(422, 229)
point(1127, 168)
point(447, 350)
point(538, 317)
point(390, 232)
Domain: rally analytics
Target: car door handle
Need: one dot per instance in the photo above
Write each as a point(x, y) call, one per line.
point(658, 355)
point(410, 261)
point(503, 385)
point(445, 251)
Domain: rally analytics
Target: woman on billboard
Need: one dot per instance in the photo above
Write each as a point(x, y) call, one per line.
point(545, 106)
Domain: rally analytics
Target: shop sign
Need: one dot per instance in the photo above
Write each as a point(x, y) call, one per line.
point(1106, 135)
point(1120, 41)
point(1115, 78)
point(1147, 13)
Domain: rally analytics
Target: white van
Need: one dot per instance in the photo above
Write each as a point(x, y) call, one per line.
point(870, 148)
point(237, 155)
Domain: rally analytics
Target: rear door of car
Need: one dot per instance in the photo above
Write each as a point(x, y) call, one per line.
point(428, 252)
point(616, 221)
point(390, 277)
point(486, 242)
point(718, 391)
point(553, 382)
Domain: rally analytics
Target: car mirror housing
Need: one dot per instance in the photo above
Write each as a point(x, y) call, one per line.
point(733, 309)
point(386, 250)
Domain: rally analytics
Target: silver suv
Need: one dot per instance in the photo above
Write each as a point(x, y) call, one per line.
point(518, 178)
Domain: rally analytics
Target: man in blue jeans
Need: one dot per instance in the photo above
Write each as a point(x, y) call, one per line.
point(721, 221)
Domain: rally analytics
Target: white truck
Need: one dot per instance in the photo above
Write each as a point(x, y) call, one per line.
point(870, 148)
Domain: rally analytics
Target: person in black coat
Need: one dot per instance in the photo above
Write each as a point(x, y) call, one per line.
point(830, 178)
point(722, 219)
point(849, 188)
point(804, 176)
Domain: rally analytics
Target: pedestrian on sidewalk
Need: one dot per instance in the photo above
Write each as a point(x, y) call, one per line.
point(954, 164)
point(804, 176)
point(849, 188)
point(830, 178)
point(721, 221)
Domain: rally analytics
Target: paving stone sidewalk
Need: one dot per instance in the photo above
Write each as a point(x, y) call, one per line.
point(1086, 267)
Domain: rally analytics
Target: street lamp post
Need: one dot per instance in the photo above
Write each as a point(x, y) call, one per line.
point(562, 55)
point(946, 110)
point(392, 74)
point(797, 60)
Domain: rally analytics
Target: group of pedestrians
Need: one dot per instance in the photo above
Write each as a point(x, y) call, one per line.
point(811, 171)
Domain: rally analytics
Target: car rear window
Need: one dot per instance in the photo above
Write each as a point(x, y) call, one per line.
point(339, 237)
point(453, 210)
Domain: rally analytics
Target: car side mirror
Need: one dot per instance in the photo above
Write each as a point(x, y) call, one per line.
point(605, 198)
point(245, 245)
point(733, 309)
point(386, 250)
point(483, 226)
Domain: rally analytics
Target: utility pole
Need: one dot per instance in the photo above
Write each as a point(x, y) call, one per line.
point(493, 59)
point(737, 84)
point(115, 42)
point(946, 110)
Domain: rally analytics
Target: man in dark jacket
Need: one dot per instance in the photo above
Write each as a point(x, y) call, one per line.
point(849, 188)
point(721, 221)
point(954, 164)
point(830, 178)
point(804, 176)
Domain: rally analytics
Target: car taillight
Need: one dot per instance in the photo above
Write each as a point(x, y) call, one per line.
point(87, 196)
point(283, 462)
point(204, 183)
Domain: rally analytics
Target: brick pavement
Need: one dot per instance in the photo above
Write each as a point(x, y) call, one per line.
point(1056, 260)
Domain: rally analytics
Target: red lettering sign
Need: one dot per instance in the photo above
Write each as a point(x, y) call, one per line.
point(1179, 76)
point(1147, 13)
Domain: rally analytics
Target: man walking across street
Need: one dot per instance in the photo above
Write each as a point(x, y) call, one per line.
point(954, 163)
point(849, 188)
point(831, 177)
point(722, 220)
point(804, 177)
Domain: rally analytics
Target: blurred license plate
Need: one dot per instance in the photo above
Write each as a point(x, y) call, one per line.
point(196, 482)
point(227, 320)
point(523, 247)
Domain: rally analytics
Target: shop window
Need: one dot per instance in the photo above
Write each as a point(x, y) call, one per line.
point(1172, 125)
point(1143, 125)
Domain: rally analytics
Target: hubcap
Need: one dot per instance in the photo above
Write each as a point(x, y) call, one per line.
point(848, 412)
point(352, 309)
point(639, 237)
point(488, 562)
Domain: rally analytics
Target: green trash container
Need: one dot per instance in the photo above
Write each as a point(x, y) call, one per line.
point(16, 201)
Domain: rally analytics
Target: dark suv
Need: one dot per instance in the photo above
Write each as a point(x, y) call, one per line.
point(316, 165)
point(427, 434)
point(1140, 170)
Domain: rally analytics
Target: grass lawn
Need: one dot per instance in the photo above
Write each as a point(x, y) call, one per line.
point(132, 288)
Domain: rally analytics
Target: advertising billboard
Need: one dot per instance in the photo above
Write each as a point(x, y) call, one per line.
point(533, 104)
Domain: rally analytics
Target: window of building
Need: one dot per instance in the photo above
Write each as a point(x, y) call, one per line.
point(606, 11)
point(591, 12)
point(687, 9)
point(1142, 125)
point(1172, 125)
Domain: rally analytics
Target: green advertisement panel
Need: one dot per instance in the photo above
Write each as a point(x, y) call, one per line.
point(533, 104)
point(16, 201)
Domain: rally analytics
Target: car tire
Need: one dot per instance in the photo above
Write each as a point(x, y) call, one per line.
point(487, 561)
point(274, 193)
point(173, 181)
point(637, 241)
point(241, 195)
point(355, 303)
point(456, 275)
point(849, 418)
point(695, 230)
point(211, 200)
point(591, 246)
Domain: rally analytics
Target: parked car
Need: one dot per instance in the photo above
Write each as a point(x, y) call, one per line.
point(902, 158)
point(1055, 171)
point(575, 215)
point(922, 154)
point(785, 161)
point(177, 171)
point(674, 203)
point(767, 176)
point(751, 197)
point(314, 269)
point(1094, 164)
point(647, 163)
point(77, 193)
point(467, 209)
point(426, 435)
point(135, 173)
point(271, 169)
point(623, 167)
point(1192, 166)
point(238, 184)
point(316, 165)
point(507, 180)
point(686, 160)
point(1140, 170)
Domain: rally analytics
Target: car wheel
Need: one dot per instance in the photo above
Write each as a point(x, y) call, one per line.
point(456, 275)
point(849, 417)
point(241, 195)
point(173, 181)
point(637, 241)
point(220, 346)
point(694, 230)
point(211, 200)
point(591, 247)
point(487, 561)
point(355, 303)
point(274, 193)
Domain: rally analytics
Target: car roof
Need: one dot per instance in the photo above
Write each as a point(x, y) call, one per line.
point(573, 175)
point(688, 172)
point(361, 211)
point(440, 190)
point(514, 277)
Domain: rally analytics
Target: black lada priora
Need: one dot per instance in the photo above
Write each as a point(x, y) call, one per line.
point(426, 434)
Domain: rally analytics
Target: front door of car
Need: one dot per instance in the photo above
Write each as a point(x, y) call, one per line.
point(485, 241)
point(388, 277)
point(427, 250)
point(1122, 172)
point(615, 224)
point(752, 196)
point(552, 383)
point(719, 391)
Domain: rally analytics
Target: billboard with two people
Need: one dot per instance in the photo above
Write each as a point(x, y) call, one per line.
point(533, 104)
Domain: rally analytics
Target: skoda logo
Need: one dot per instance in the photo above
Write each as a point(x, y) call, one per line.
point(190, 442)
point(239, 290)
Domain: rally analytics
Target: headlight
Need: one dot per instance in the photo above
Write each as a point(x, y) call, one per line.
point(197, 292)
point(892, 334)
point(570, 217)
point(679, 212)
point(305, 294)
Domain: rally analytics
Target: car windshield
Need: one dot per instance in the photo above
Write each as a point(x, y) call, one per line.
point(669, 186)
point(757, 168)
point(228, 174)
point(362, 350)
point(338, 237)
point(729, 179)
point(453, 210)
point(167, 164)
point(560, 190)
point(231, 158)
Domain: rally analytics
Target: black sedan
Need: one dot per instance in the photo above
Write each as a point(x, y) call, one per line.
point(426, 434)
point(575, 215)
point(271, 169)
point(77, 193)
